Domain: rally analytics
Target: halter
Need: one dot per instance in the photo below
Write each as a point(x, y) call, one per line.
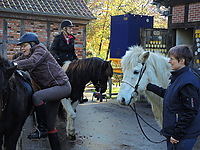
point(135, 92)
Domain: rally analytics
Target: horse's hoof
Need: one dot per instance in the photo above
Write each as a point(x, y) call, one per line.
point(72, 137)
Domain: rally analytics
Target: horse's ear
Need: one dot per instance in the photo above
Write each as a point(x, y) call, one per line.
point(10, 71)
point(108, 62)
point(105, 64)
point(143, 57)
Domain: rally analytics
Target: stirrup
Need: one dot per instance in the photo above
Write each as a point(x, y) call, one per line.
point(37, 135)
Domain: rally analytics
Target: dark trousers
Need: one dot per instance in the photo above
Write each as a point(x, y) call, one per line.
point(52, 97)
point(184, 144)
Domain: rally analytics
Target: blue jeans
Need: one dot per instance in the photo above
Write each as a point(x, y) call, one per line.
point(184, 144)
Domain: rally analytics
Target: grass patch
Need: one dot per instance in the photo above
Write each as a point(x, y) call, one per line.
point(114, 90)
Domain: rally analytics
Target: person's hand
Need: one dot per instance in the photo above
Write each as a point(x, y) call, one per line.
point(172, 140)
point(146, 87)
point(14, 64)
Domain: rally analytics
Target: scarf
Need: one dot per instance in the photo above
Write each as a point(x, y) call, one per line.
point(67, 38)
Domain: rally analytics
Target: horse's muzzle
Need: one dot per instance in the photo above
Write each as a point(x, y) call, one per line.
point(123, 102)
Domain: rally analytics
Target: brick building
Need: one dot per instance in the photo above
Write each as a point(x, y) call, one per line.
point(43, 18)
point(184, 24)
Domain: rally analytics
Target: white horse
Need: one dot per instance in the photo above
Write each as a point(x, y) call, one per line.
point(157, 72)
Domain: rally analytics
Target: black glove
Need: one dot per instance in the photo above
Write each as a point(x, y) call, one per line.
point(59, 61)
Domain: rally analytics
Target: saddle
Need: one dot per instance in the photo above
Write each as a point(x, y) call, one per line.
point(26, 81)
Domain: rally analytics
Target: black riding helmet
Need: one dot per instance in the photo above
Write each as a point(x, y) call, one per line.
point(66, 23)
point(28, 38)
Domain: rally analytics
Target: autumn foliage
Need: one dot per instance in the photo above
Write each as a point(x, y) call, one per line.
point(98, 30)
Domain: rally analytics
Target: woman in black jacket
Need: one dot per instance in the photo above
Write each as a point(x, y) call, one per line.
point(181, 115)
point(63, 44)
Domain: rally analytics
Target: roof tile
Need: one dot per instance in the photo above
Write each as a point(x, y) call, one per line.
point(73, 8)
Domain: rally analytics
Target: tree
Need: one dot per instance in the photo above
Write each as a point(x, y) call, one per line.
point(98, 31)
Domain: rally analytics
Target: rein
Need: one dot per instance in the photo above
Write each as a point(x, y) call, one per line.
point(134, 94)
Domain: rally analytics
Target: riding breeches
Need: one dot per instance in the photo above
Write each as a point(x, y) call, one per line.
point(52, 97)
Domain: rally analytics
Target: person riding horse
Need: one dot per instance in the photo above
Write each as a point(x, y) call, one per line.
point(62, 47)
point(54, 83)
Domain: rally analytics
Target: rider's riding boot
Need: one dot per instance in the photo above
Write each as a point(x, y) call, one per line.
point(54, 141)
point(41, 131)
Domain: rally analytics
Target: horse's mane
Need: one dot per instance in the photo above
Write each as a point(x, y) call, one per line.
point(4, 62)
point(155, 60)
point(130, 59)
point(83, 63)
point(90, 66)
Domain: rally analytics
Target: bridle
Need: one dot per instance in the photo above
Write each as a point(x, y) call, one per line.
point(135, 92)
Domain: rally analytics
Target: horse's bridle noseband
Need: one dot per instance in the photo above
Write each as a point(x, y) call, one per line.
point(135, 92)
point(134, 109)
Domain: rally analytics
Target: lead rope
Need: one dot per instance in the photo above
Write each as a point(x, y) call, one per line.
point(138, 116)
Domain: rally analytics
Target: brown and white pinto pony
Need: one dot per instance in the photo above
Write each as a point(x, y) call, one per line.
point(81, 72)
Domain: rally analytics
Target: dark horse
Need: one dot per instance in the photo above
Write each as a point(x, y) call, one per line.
point(81, 72)
point(15, 103)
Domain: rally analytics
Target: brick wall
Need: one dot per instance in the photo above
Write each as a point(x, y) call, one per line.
point(40, 28)
point(178, 14)
point(78, 33)
point(37, 27)
point(13, 34)
point(55, 30)
point(194, 12)
point(1, 28)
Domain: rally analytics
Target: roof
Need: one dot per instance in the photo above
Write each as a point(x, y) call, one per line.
point(167, 3)
point(62, 8)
